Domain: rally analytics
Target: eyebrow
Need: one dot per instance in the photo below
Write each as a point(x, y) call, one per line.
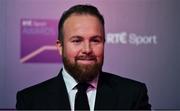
point(92, 37)
point(75, 37)
point(97, 36)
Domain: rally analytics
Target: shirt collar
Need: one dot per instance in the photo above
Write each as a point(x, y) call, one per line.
point(71, 82)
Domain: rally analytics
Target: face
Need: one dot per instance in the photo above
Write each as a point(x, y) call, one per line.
point(83, 46)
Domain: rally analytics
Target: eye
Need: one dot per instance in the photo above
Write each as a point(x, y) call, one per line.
point(96, 40)
point(76, 40)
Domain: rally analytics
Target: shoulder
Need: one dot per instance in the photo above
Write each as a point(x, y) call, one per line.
point(121, 82)
point(131, 93)
point(40, 87)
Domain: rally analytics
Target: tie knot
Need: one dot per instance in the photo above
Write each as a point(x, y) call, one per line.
point(82, 86)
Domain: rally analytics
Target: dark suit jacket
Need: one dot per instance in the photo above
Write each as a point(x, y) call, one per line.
point(113, 92)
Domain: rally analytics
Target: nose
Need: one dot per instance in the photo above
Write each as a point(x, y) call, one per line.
point(87, 49)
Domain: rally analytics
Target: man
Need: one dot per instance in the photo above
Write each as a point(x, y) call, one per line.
point(81, 44)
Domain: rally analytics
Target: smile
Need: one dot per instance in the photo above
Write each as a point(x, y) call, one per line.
point(86, 61)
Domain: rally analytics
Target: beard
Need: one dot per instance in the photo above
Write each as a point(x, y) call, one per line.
point(83, 72)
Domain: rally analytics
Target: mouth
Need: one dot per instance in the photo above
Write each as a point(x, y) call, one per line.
point(86, 60)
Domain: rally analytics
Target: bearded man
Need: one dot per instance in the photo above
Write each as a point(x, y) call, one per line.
point(81, 84)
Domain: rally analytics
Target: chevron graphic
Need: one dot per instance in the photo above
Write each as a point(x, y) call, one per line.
point(36, 52)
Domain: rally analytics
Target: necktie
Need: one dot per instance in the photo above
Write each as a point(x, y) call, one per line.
point(81, 100)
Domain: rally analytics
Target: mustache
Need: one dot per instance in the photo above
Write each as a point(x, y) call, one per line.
point(86, 57)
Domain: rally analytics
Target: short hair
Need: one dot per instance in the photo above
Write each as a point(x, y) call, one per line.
point(78, 9)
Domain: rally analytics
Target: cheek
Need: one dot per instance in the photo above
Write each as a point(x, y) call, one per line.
point(70, 52)
point(99, 52)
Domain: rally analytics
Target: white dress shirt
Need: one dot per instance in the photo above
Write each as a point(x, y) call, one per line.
point(72, 90)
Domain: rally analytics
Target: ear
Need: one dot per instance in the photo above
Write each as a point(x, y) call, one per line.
point(59, 46)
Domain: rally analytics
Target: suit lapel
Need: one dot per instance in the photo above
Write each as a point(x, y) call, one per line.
point(60, 94)
point(106, 96)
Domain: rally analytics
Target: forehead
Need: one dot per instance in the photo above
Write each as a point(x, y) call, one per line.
point(82, 24)
point(82, 15)
point(82, 19)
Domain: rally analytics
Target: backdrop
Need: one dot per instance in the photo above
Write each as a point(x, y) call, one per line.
point(142, 43)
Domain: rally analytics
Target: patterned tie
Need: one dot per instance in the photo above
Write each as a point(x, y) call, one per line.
point(81, 100)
